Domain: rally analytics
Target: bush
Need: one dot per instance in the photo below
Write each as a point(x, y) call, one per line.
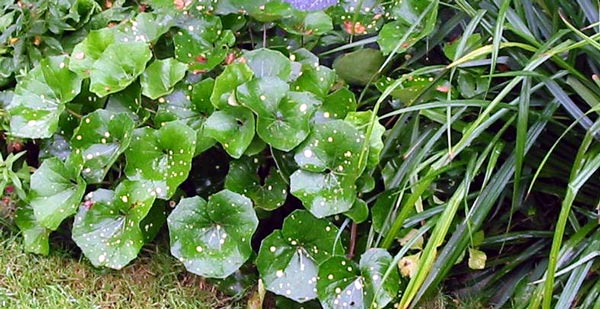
point(357, 153)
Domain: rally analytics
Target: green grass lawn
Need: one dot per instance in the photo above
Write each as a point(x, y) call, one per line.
point(60, 280)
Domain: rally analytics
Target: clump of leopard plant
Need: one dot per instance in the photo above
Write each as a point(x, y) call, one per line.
point(336, 153)
point(135, 107)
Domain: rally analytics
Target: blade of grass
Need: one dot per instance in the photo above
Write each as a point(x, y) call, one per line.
point(583, 168)
point(480, 209)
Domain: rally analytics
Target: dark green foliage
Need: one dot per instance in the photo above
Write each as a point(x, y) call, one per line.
point(359, 153)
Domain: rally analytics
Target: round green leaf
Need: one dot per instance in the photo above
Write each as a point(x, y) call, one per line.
point(40, 97)
point(56, 191)
point(342, 283)
point(332, 146)
point(336, 105)
point(262, 95)
point(283, 118)
point(192, 108)
point(35, 236)
point(148, 26)
point(329, 167)
point(243, 178)
point(161, 156)
point(115, 69)
point(307, 23)
point(107, 227)
point(233, 128)
point(213, 239)
point(359, 212)
point(266, 62)
point(100, 138)
point(323, 194)
point(287, 126)
point(128, 101)
point(201, 43)
point(261, 10)
point(160, 77)
point(359, 67)
point(411, 88)
point(88, 51)
point(317, 80)
point(234, 75)
point(288, 259)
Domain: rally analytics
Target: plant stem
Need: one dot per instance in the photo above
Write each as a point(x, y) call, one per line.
point(353, 229)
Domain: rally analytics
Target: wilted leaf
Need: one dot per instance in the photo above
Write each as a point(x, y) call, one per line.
point(477, 259)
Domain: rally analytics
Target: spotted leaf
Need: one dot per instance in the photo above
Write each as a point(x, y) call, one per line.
point(268, 193)
point(201, 43)
point(283, 118)
point(336, 105)
point(233, 128)
point(161, 156)
point(160, 77)
point(317, 80)
point(343, 284)
point(261, 10)
point(115, 69)
point(35, 236)
point(223, 94)
point(407, 13)
point(107, 226)
point(288, 259)
point(266, 62)
point(128, 101)
point(213, 239)
point(358, 17)
point(56, 191)
point(148, 26)
point(307, 23)
point(100, 138)
point(40, 97)
point(323, 194)
point(192, 107)
point(88, 51)
point(329, 166)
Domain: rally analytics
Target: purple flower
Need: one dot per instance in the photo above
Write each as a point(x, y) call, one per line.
point(311, 5)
